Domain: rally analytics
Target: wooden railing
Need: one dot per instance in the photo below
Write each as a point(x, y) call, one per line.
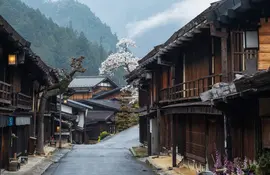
point(5, 93)
point(23, 101)
point(189, 88)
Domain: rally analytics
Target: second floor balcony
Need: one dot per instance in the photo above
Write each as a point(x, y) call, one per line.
point(5, 93)
point(22, 101)
point(15, 100)
point(189, 89)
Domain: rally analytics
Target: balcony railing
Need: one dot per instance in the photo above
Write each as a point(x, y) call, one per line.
point(5, 93)
point(190, 88)
point(23, 101)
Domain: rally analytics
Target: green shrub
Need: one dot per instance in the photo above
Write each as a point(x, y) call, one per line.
point(103, 135)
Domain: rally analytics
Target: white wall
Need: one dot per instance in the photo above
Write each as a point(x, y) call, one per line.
point(81, 119)
point(66, 109)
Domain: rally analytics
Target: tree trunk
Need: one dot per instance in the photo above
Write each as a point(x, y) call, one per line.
point(42, 106)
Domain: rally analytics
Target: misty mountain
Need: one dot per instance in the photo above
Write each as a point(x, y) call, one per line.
point(55, 45)
point(73, 14)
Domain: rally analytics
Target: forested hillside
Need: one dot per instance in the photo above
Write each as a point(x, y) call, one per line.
point(56, 45)
point(78, 16)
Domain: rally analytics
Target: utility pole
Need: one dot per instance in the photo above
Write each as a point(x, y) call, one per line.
point(60, 123)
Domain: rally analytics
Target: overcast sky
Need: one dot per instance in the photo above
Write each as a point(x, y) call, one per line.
point(137, 19)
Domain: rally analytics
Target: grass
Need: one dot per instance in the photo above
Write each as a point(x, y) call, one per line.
point(140, 151)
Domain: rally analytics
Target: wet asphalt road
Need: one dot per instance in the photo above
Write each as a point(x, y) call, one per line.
point(110, 157)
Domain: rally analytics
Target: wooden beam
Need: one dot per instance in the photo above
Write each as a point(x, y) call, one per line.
point(197, 31)
point(149, 150)
point(224, 56)
point(182, 38)
point(174, 139)
point(224, 19)
point(228, 138)
point(178, 42)
point(192, 110)
point(231, 13)
point(215, 32)
point(245, 5)
point(189, 35)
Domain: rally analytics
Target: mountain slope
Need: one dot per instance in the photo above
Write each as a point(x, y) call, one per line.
point(56, 45)
point(78, 16)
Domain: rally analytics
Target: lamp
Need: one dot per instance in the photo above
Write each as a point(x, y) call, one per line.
point(12, 59)
point(251, 39)
point(65, 101)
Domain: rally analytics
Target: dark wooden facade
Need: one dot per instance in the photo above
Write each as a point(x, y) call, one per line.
point(210, 49)
point(20, 81)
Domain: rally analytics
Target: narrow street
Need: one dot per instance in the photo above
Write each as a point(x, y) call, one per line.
point(110, 157)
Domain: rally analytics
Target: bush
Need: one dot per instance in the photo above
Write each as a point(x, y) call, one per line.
point(103, 135)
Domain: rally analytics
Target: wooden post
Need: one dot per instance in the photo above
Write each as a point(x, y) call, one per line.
point(228, 138)
point(148, 124)
point(224, 57)
point(158, 130)
point(158, 86)
point(173, 134)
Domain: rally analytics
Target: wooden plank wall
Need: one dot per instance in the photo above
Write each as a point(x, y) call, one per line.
point(81, 96)
point(164, 78)
point(197, 61)
point(266, 133)
point(99, 89)
point(264, 40)
point(195, 137)
point(215, 137)
point(243, 136)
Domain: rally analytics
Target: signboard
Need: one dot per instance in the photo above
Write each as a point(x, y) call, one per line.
point(10, 121)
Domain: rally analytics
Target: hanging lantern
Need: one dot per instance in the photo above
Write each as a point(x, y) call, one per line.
point(12, 59)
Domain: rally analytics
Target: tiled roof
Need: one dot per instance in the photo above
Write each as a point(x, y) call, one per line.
point(104, 94)
point(86, 81)
point(96, 116)
point(108, 104)
point(89, 81)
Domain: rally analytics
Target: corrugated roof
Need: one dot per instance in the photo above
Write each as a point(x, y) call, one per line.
point(96, 116)
point(86, 81)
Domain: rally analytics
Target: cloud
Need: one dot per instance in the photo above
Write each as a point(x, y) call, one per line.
point(180, 12)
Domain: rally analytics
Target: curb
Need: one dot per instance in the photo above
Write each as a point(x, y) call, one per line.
point(153, 165)
point(158, 170)
point(51, 162)
point(133, 152)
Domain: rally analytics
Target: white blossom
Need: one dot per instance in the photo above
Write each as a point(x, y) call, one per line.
point(122, 58)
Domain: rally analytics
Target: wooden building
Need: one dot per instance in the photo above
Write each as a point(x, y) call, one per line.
point(23, 73)
point(101, 118)
point(86, 87)
point(228, 38)
point(99, 121)
point(73, 115)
